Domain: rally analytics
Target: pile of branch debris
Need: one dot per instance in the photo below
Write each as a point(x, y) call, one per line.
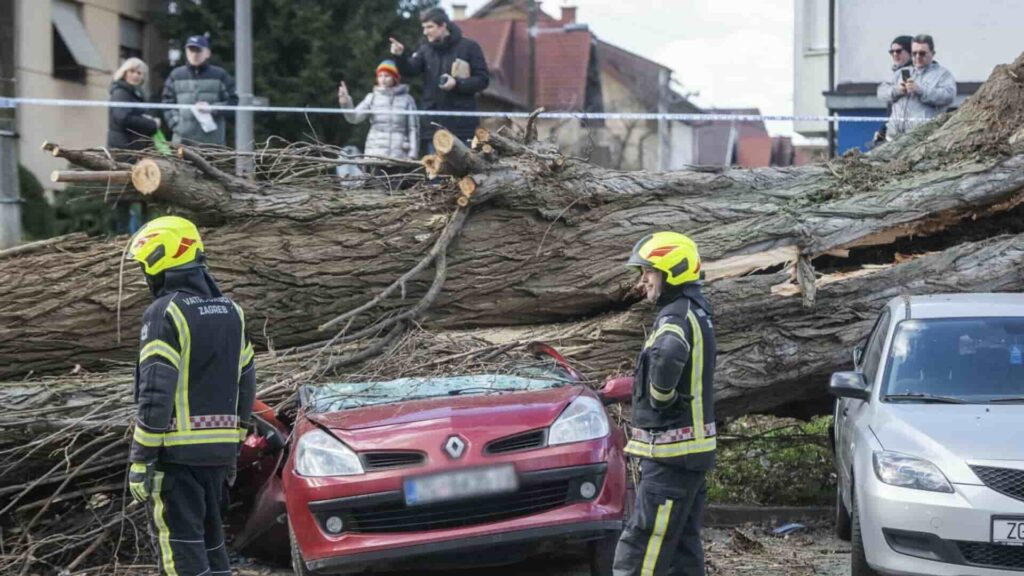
point(478, 251)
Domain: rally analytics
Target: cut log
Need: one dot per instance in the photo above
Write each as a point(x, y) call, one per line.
point(91, 176)
point(458, 158)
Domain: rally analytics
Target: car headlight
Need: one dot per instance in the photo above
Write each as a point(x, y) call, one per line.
point(910, 472)
point(320, 454)
point(583, 419)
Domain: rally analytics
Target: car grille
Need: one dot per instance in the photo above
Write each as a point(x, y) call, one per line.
point(992, 555)
point(1003, 480)
point(397, 517)
point(389, 460)
point(526, 441)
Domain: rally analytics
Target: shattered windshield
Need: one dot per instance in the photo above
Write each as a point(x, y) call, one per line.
point(347, 395)
point(957, 360)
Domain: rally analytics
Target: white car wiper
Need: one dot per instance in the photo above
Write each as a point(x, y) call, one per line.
point(926, 398)
point(1007, 400)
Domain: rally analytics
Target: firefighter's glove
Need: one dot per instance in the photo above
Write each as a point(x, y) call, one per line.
point(140, 481)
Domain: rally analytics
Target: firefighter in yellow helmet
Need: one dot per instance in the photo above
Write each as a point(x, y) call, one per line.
point(195, 383)
point(673, 423)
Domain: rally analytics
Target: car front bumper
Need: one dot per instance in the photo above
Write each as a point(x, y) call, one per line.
point(914, 532)
point(381, 530)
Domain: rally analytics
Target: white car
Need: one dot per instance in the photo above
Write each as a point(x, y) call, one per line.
point(929, 438)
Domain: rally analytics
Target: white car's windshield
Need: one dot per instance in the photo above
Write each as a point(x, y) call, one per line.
point(347, 395)
point(957, 360)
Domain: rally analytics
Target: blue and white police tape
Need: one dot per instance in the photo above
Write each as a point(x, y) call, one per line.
point(688, 117)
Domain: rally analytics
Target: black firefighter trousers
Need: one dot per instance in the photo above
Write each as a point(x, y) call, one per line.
point(185, 519)
point(662, 536)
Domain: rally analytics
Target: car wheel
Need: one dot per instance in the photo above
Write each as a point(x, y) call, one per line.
point(298, 564)
point(602, 555)
point(858, 561)
point(843, 521)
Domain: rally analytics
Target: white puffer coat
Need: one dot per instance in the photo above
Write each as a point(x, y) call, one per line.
point(392, 135)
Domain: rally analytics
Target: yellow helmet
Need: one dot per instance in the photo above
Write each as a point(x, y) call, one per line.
point(164, 243)
point(672, 253)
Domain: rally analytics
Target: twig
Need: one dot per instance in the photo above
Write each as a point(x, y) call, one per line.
point(450, 232)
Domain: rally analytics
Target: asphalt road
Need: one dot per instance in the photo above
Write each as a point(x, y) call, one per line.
point(747, 551)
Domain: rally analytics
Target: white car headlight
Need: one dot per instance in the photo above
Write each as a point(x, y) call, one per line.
point(320, 454)
point(910, 472)
point(583, 419)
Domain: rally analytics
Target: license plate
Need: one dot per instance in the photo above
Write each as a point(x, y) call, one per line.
point(460, 484)
point(1008, 531)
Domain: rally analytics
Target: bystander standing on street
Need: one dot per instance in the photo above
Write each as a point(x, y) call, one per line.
point(391, 135)
point(927, 91)
point(129, 129)
point(454, 72)
point(200, 85)
point(899, 51)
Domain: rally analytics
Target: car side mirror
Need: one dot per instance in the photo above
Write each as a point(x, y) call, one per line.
point(858, 354)
point(616, 390)
point(849, 385)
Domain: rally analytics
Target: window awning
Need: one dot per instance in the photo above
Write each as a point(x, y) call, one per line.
point(65, 19)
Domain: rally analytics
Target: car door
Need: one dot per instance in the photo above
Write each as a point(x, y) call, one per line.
point(848, 410)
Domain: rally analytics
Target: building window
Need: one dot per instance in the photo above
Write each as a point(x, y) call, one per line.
point(131, 39)
point(73, 50)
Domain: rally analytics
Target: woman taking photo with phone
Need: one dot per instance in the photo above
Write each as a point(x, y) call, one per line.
point(391, 135)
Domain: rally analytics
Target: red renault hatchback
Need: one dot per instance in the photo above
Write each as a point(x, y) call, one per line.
point(436, 471)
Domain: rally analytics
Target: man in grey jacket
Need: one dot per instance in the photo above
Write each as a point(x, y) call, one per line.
point(927, 92)
point(199, 84)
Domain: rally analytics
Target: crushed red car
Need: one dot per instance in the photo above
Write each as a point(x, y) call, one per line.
point(388, 475)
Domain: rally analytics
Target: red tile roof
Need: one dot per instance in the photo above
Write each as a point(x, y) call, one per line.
point(562, 61)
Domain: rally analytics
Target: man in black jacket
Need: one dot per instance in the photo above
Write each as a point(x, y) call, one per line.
point(195, 383)
point(199, 84)
point(673, 422)
point(442, 61)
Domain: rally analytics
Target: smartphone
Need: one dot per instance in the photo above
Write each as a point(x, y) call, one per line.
point(905, 74)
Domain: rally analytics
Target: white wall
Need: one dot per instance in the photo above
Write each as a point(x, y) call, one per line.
point(971, 36)
point(810, 64)
point(682, 146)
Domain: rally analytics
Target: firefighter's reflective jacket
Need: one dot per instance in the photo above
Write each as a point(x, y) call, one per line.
point(195, 380)
point(673, 393)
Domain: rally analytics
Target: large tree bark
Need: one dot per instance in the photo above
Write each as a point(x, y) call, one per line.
point(544, 241)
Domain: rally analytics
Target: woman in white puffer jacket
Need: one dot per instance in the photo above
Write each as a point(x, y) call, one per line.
point(391, 135)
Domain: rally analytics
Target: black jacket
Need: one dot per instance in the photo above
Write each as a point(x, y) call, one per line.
point(128, 129)
point(673, 388)
point(195, 380)
point(431, 60)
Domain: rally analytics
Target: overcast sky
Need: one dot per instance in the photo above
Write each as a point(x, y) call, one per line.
point(736, 53)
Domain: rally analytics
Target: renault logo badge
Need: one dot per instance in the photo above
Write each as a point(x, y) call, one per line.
point(455, 446)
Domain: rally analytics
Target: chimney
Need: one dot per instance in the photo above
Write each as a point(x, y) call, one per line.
point(568, 14)
point(458, 11)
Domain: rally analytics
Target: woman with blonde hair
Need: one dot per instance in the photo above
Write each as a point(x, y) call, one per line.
point(130, 128)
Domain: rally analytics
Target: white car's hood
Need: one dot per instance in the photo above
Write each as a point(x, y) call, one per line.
point(953, 435)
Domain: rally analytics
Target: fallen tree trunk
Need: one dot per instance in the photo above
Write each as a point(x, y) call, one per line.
point(540, 245)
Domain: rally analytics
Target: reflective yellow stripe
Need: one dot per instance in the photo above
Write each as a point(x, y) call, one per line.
point(697, 376)
point(657, 536)
point(160, 348)
point(225, 436)
point(666, 327)
point(242, 349)
point(163, 533)
point(242, 433)
point(181, 409)
point(247, 355)
point(147, 439)
point(645, 450)
point(661, 397)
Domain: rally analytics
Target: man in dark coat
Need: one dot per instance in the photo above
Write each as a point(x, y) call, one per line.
point(199, 84)
point(454, 72)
